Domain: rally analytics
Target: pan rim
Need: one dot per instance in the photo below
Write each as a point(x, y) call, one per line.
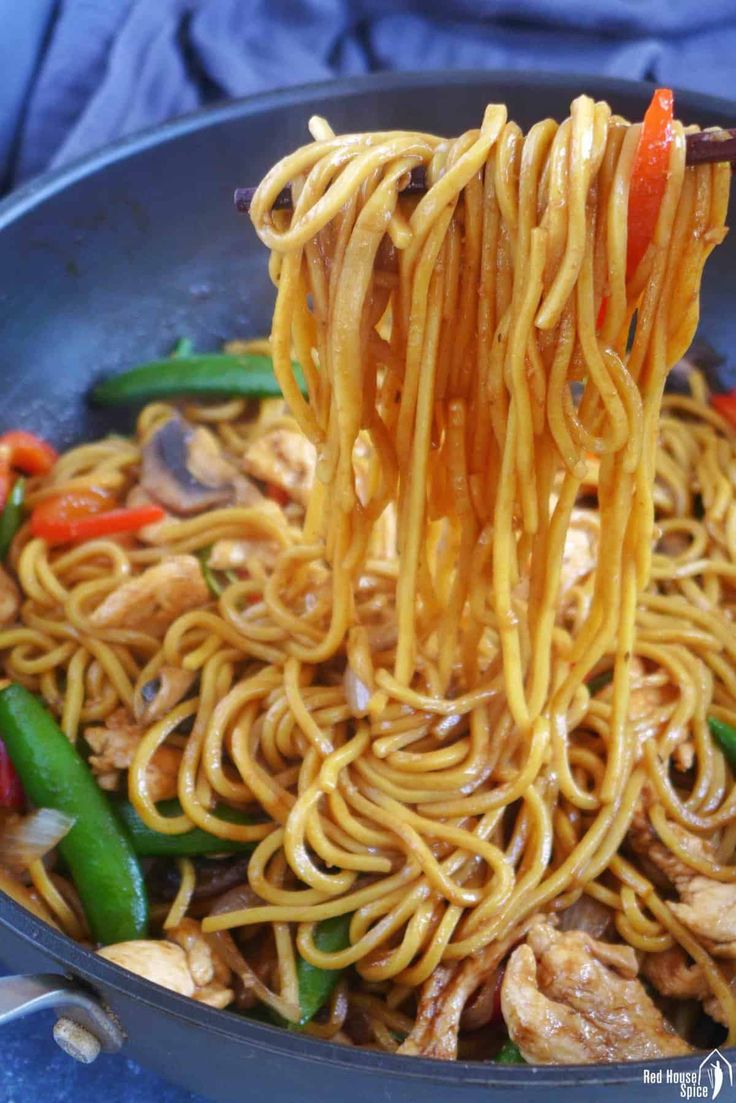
point(85, 964)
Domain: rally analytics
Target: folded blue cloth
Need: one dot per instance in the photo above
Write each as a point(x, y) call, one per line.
point(111, 67)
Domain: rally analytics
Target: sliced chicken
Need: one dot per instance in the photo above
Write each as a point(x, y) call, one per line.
point(285, 458)
point(209, 972)
point(234, 555)
point(676, 976)
point(185, 469)
point(114, 746)
point(707, 907)
point(164, 963)
point(9, 599)
point(580, 554)
point(445, 997)
point(185, 964)
point(569, 999)
point(155, 598)
point(649, 698)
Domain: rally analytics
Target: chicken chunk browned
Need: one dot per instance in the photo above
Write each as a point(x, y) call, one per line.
point(114, 746)
point(706, 906)
point(155, 598)
point(444, 998)
point(569, 999)
point(184, 963)
point(242, 554)
point(677, 977)
point(285, 458)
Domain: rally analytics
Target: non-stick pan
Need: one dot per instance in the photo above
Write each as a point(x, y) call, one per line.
point(103, 265)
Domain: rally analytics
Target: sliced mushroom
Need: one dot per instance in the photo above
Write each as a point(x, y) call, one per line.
point(185, 470)
point(159, 696)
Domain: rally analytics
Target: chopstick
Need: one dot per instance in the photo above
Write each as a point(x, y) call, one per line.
point(704, 147)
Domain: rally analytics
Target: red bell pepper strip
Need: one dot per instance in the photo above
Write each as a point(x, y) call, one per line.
point(277, 494)
point(27, 452)
point(12, 797)
point(24, 452)
point(6, 478)
point(725, 404)
point(72, 505)
point(64, 530)
point(649, 176)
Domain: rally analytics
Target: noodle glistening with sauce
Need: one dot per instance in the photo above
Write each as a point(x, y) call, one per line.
point(433, 657)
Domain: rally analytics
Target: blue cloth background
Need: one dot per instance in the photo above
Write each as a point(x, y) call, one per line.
point(79, 73)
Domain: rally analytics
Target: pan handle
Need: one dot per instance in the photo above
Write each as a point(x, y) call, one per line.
point(84, 1027)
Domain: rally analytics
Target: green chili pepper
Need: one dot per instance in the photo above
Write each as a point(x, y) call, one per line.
point(317, 985)
point(148, 843)
point(11, 517)
point(725, 737)
point(597, 683)
point(207, 374)
point(213, 583)
point(212, 578)
point(183, 347)
point(509, 1054)
point(97, 851)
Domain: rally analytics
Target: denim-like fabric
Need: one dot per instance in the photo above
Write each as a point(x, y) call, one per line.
point(111, 67)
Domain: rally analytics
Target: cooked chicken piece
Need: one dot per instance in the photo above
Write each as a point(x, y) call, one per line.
point(233, 555)
point(9, 599)
point(648, 697)
point(383, 542)
point(159, 696)
point(114, 746)
point(569, 999)
point(185, 965)
point(164, 963)
point(285, 458)
point(707, 907)
point(684, 755)
point(580, 553)
point(185, 469)
point(425, 1040)
point(676, 976)
point(444, 998)
point(209, 972)
point(153, 599)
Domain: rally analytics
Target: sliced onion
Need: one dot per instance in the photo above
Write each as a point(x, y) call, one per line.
point(27, 838)
point(236, 899)
point(586, 914)
point(357, 692)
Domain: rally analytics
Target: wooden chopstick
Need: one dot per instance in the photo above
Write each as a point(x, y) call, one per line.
point(703, 147)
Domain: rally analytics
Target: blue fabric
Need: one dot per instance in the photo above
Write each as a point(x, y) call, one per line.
point(111, 67)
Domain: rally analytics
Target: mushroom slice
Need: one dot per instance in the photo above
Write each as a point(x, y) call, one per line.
point(185, 470)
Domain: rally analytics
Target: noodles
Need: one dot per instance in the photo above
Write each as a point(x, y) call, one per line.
point(400, 694)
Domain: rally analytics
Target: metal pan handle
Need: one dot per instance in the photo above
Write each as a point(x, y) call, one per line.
point(84, 1027)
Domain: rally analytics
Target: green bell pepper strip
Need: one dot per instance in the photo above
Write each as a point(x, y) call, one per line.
point(148, 843)
point(211, 577)
point(183, 347)
point(597, 683)
point(509, 1054)
point(11, 517)
point(97, 851)
point(203, 375)
point(725, 737)
point(317, 985)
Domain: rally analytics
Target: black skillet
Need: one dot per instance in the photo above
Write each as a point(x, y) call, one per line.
point(105, 264)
